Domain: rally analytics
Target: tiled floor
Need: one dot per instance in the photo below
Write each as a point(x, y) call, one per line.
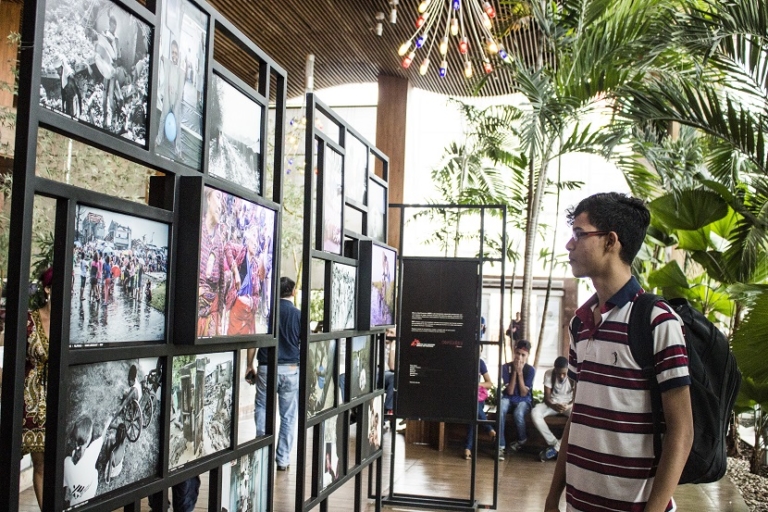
point(523, 483)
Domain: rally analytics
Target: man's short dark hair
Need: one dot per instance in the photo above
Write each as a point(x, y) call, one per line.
point(523, 345)
point(287, 286)
point(626, 216)
point(561, 362)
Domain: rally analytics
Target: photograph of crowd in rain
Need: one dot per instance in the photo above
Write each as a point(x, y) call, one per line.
point(119, 278)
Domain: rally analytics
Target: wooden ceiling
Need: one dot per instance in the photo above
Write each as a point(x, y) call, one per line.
point(340, 33)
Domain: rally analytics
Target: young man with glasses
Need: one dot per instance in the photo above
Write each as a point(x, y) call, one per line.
point(606, 460)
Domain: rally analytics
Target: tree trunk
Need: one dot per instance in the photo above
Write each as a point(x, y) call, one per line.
point(540, 342)
point(535, 195)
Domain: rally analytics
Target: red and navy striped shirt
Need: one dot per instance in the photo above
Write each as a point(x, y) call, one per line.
point(610, 460)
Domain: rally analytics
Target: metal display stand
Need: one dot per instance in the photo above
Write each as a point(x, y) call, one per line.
point(469, 503)
point(344, 221)
point(175, 198)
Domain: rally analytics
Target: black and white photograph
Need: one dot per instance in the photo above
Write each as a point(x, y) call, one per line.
point(383, 265)
point(96, 66)
point(333, 201)
point(361, 367)
point(355, 169)
point(333, 439)
point(235, 267)
point(201, 406)
point(373, 427)
point(119, 278)
point(113, 427)
point(180, 95)
point(377, 208)
point(343, 279)
point(235, 153)
point(246, 424)
point(244, 483)
point(321, 385)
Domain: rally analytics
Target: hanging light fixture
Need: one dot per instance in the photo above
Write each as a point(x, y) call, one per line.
point(465, 25)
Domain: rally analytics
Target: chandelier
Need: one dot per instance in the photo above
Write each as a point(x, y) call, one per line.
point(464, 23)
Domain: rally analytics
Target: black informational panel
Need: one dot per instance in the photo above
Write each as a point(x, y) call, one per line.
point(438, 342)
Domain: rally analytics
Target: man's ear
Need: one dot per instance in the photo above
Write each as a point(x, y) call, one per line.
point(612, 242)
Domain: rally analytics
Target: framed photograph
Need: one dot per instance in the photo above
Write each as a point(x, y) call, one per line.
point(333, 450)
point(355, 169)
point(343, 285)
point(119, 278)
point(201, 406)
point(383, 279)
point(246, 414)
point(180, 95)
point(244, 483)
point(333, 201)
point(113, 427)
point(377, 211)
point(321, 376)
point(360, 372)
point(373, 420)
point(96, 64)
point(235, 271)
point(235, 141)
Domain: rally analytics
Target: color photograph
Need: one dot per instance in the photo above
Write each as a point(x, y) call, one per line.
point(383, 272)
point(321, 385)
point(201, 406)
point(96, 63)
point(343, 280)
point(361, 367)
point(113, 427)
point(119, 278)
point(235, 141)
point(244, 483)
point(235, 272)
point(180, 91)
point(333, 202)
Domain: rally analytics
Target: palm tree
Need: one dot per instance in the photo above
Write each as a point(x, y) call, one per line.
point(597, 46)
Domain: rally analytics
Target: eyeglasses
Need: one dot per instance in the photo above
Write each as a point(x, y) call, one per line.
point(578, 235)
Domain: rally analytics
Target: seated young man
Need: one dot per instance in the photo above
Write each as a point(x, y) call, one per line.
point(516, 395)
point(558, 400)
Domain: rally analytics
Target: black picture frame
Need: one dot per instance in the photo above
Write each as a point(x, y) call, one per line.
point(90, 49)
point(114, 427)
point(333, 201)
point(245, 481)
point(129, 304)
point(359, 365)
point(201, 406)
point(236, 243)
point(235, 123)
point(179, 102)
point(377, 285)
point(321, 376)
point(343, 296)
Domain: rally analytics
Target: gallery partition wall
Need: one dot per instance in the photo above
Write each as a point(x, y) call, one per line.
point(348, 300)
point(147, 178)
point(439, 335)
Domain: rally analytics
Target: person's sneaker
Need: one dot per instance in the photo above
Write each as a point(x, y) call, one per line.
point(500, 453)
point(548, 453)
point(282, 468)
point(517, 445)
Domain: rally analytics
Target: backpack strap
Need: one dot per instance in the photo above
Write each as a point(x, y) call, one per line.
point(640, 338)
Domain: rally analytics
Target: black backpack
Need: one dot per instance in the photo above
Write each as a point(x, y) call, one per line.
point(715, 382)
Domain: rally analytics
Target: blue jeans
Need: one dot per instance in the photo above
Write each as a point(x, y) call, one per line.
point(389, 386)
point(287, 401)
point(519, 411)
point(485, 426)
point(184, 496)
